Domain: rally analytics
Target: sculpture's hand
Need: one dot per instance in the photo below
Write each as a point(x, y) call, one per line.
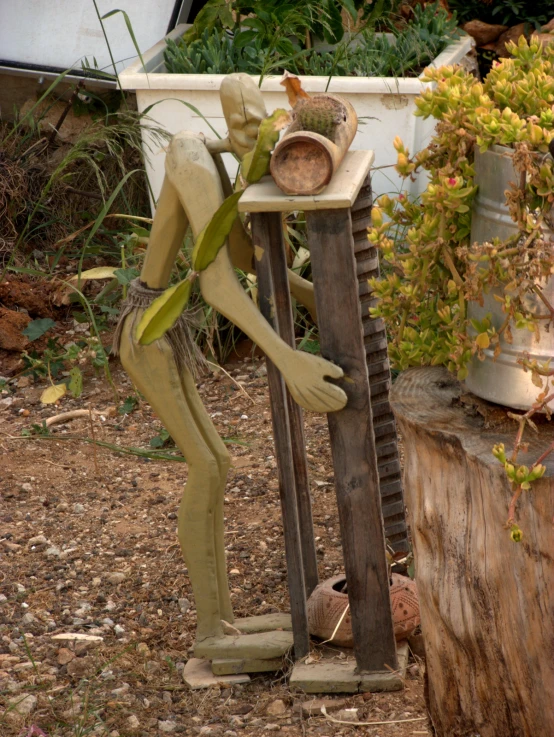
point(306, 377)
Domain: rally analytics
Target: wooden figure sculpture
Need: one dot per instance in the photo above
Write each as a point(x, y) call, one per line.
point(195, 186)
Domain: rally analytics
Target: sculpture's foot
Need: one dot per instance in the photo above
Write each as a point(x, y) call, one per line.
point(264, 623)
point(258, 646)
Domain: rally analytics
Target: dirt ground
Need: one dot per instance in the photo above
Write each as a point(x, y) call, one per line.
point(88, 544)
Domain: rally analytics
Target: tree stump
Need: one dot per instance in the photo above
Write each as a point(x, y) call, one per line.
point(487, 603)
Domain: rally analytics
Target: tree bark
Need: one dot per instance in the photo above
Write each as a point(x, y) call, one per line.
point(487, 603)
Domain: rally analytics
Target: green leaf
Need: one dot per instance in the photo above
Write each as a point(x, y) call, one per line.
point(255, 164)
point(126, 276)
point(163, 313)
point(212, 238)
point(36, 328)
point(75, 385)
point(128, 406)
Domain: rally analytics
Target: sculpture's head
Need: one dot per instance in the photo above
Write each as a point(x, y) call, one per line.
point(244, 110)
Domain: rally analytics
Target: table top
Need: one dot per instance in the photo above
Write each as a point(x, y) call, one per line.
point(341, 192)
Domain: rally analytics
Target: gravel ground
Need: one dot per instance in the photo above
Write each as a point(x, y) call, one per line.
point(88, 545)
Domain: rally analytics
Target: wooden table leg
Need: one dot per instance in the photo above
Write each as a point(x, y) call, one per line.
point(352, 439)
point(266, 228)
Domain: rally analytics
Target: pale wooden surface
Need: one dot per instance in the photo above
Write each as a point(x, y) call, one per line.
point(341, 192)
point(487, 603)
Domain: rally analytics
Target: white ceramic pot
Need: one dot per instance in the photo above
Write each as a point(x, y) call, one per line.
point(390, 101)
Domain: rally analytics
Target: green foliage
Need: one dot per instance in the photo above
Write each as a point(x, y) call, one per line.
point(37, 328)
point(433, 269)
point(128, 405)
point(163, 313)
point(162, 440)
point(214, 235)
point(262, 47)
point(255, 164)
point(505, 12)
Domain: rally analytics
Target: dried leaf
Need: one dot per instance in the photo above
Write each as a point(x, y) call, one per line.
point(53, 393)
point(293, 86)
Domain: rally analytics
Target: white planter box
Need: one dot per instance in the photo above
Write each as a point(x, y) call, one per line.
point(389, 100)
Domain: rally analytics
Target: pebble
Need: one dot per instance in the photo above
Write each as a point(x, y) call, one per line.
point(28, 619)
point(65, 656)
point(38, 540)
point(132, 722)
point(143, 650)
point(276, 708)
point(313, 706)
point(272, 728)
point(23, 704)
point(78, 508)
point(53, 552)
point(166, 726)
point(3, 599)
point(119, 630)
point(26, 487)
point(184, 605)
point(348, 715)
point(122, 690)
point(116, 577)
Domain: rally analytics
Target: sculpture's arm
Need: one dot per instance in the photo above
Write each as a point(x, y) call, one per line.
point(242, 252)
point(192, 172)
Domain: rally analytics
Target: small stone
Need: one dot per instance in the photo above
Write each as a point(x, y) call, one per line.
point(65, 656)
point(37, 540)
point(132, 722)
point(348, 715)
point(80, 667)
point(143, 650)
point(483, 33)
point(166, 726)
point(53, 552)
point(313, 707)
point(184, 605)
point(23, 704)
point(26, 487)
point(3, 599)
point(78, 509)
point(116, 577)
point(272, 728)
point(119, 630)
point(28, 619)
point(122, 690)
point(276, 708)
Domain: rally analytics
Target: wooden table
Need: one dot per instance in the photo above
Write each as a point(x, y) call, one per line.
point(342, 261)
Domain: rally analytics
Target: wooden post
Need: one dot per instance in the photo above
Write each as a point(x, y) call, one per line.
point(487, 603)
point(266, 230)
point(285, 328)
point(352, 439)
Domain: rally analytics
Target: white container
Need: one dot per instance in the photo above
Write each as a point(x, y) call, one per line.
point(389, 100)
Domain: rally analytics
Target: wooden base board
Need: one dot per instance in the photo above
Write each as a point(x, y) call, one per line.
point(331, 675)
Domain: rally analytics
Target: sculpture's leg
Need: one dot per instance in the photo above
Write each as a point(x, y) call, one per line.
point(155, 373)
